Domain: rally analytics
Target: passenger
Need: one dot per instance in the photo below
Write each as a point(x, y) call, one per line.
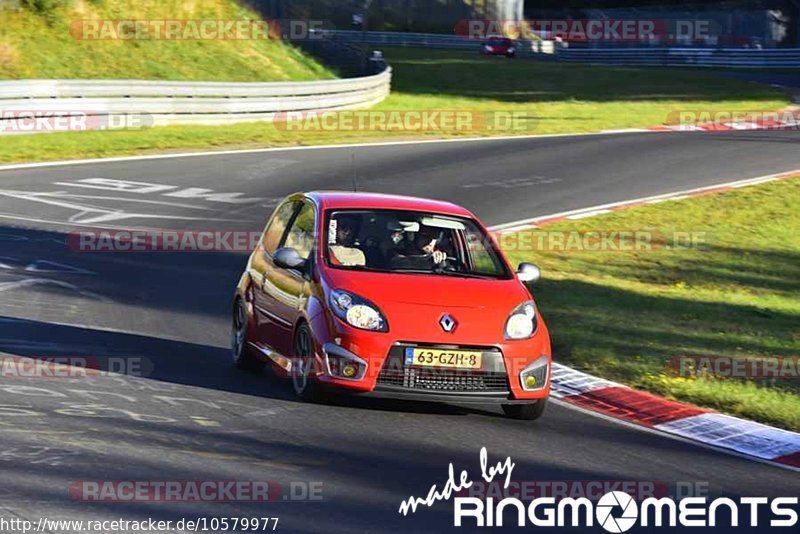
point(345, 251)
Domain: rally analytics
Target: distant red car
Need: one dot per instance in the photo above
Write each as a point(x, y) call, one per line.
point(499, 46)
point(391, 296)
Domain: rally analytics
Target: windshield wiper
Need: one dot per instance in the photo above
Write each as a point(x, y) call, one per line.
point(467, 275)
point(446, 273)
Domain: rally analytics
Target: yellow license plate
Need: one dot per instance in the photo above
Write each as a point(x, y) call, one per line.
point(443, 358)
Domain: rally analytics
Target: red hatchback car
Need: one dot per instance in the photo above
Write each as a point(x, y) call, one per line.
point(392, 296)
point(499, 46)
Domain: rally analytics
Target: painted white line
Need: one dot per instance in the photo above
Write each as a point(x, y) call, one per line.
point(64, 194)
point(30, 282)
point(626, 130)
point(517, 229)
point(666, 196)
point(46, 266)
point(37, 165)
point(753, 182)
point(84, 211)
point(587, 214)
point(82, 224)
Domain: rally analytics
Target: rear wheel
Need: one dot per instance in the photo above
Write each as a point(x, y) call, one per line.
point(303, 366)
point(528, 412)
point(243, 357)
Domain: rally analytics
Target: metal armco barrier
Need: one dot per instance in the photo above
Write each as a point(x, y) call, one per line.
point(107, 103)
point(644, 56)
point(685, 57)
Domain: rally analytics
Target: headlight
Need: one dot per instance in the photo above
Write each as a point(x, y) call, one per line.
point(357, 311)
point(521, 324)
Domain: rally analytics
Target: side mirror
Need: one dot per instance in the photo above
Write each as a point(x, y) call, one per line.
point(289, 258)
point(528, 273)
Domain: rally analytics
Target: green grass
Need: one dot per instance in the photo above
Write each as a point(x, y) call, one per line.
point(624, 315)
point(552, 98)
point(563, 98)
point(40, 45)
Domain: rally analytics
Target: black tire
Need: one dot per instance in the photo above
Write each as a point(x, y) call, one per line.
point(243, 357)
point(527, 412)
point(304, 386)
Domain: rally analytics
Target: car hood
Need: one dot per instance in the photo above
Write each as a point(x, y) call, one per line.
point(414, 304)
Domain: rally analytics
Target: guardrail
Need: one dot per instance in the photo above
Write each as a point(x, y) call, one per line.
point(685, 57)
point(135, 102)
point(643, 56)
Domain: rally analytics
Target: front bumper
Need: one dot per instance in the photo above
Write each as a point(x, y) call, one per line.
point(386, 375)
point(399, 393)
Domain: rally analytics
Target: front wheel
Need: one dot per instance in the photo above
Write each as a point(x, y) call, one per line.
point(303, 365)
point(243, 357)
point(528, 412)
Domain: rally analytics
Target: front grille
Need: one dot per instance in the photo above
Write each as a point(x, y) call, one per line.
point(395, 373)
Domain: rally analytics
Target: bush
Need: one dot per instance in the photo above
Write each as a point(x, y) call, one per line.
point(47, 9)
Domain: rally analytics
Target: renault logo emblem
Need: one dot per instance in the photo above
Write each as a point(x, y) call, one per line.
point(447, 323)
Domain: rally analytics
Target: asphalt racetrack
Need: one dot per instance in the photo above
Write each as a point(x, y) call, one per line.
point(194, 417)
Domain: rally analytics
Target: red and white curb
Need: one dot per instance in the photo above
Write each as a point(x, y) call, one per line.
point(790, 124)
point(676, 418)
point(684, 421)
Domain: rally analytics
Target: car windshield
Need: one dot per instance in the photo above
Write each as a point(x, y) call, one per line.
point(411, 242)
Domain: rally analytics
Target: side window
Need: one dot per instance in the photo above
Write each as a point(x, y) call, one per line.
point(277, 226)
point(301, 234)
point(482, 260)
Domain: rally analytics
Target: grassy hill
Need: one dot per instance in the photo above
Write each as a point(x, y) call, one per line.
point(36, 42)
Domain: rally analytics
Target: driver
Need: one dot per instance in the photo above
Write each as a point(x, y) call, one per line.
point(422, 254)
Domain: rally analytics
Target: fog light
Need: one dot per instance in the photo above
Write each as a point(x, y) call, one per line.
point(342, 363)
point(534, 376)
point(349, 370)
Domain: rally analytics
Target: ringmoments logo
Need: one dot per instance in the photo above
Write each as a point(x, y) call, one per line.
point(615, 511)
point(624, 519)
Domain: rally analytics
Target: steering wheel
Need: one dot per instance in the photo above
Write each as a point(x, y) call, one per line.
point(449, 264)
